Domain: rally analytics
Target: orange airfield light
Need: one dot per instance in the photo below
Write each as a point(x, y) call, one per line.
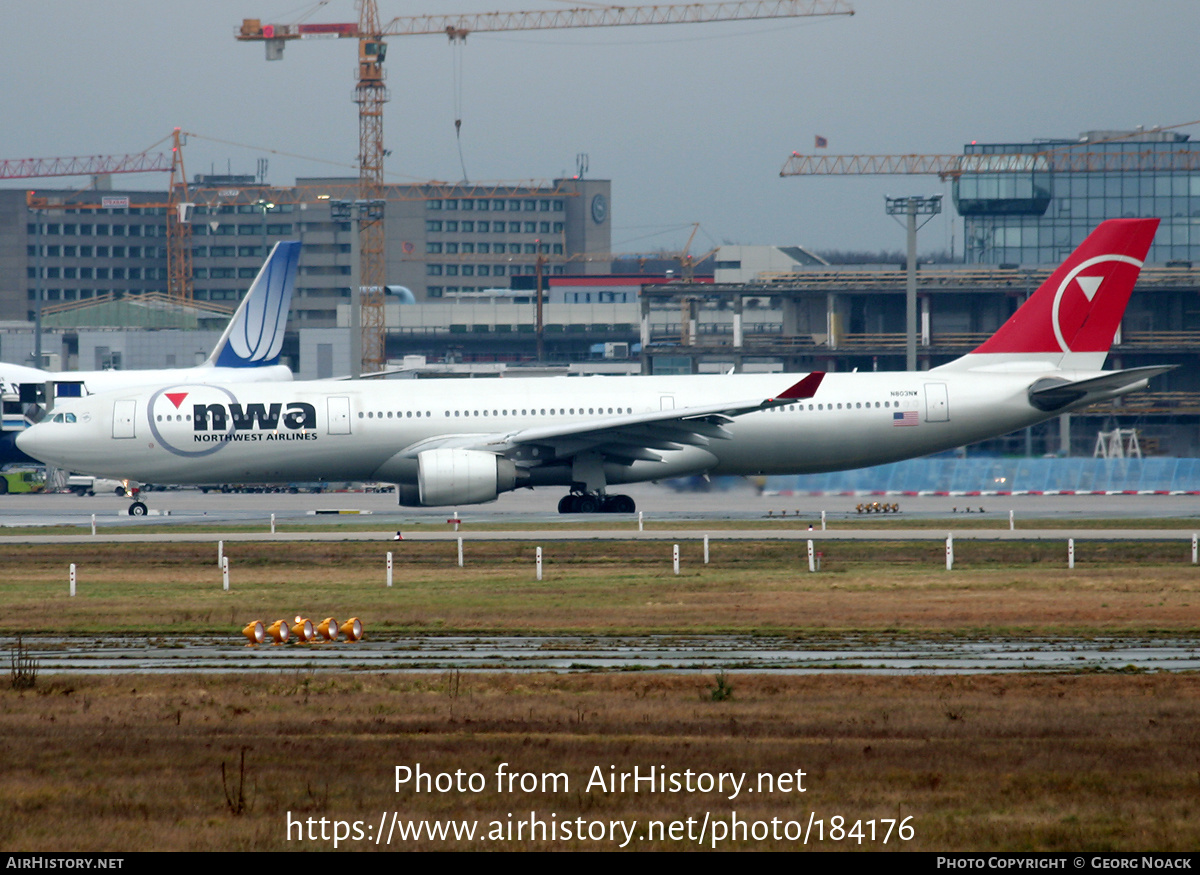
point(278, 631)
point(328, 629)
point(304, 630)
point(352, 629)
point(256, 632)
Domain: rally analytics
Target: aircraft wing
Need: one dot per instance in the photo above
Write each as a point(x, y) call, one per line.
point(626, 436)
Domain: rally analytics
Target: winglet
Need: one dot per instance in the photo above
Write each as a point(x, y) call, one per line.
point(806, 388)
point(254, 336)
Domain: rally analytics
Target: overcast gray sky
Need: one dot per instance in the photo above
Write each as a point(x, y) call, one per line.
point(692, 122)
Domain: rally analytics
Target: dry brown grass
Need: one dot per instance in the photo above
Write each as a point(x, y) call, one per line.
point(589, 587)
point(1017, 763)
point(979, 763)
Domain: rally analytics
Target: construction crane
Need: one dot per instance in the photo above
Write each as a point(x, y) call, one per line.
point(84, 165)
point(953, 166)
point(177, 206)
point(1062, 157)
point(370, 93)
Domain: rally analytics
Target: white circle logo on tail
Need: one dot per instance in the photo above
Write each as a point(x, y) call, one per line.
point(1089, 285)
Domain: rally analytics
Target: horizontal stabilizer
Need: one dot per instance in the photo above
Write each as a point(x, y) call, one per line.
point(1055, 394)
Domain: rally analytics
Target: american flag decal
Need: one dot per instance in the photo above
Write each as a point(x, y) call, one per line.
point(908, 417)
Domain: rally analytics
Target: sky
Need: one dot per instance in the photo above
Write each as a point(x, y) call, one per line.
point(692, 123)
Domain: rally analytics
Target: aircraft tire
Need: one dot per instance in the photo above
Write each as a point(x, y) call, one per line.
point(137, 509)
point(620, 504)
point(588, 504)
point(566, 504)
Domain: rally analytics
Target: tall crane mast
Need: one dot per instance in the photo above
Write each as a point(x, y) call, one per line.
point(370, 93)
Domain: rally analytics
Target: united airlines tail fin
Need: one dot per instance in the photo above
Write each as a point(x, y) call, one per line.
point(1072, 318)
point(254, 336)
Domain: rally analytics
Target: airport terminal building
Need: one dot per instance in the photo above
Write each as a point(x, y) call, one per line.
point(1037, 216)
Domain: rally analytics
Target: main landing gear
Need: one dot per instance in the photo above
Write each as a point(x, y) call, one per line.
point(593, 502)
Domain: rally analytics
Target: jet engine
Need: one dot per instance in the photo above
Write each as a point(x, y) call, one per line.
point(455, 476)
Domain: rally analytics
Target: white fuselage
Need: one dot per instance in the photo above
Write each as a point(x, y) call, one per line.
point(357, 430)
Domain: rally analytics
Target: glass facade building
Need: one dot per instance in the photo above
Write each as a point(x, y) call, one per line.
point(1037, 211)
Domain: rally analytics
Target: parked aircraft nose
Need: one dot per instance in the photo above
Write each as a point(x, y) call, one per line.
point(56, 439)
point(31, 442)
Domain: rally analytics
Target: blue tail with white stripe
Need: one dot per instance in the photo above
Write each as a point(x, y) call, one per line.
point(254, 337)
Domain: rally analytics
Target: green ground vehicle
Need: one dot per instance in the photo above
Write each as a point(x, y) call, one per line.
point(22, 480)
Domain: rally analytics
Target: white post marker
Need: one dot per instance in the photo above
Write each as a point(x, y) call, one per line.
point(812, 559)
point(949, 551)
point(675, 558)
point(639, 520)
point(1011, 524)
point(225, 573)
point(272, 524)
point(538, 562)
point(93, 524)
point(1070, 552)
point(822, 521)
point(460, 559)
point(389, 570)
point(220, 553)
point(456, 529)
point(1195, 544)
point(706, 549)
point(72, 580)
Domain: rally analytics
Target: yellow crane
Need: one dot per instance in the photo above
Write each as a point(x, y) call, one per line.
point(179, 229)
point(370, 93)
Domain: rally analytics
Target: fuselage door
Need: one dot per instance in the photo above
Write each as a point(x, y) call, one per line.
point(339, 415)
point(937, 403)
point(123, 413)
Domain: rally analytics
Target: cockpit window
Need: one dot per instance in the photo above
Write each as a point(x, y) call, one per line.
point(58, 417)
point(70, 417)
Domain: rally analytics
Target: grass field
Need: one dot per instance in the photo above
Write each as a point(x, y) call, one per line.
point(1068, 762)
point(996, 588)
point(973, 763)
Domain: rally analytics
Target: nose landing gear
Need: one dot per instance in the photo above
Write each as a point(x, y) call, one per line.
point(137, 507)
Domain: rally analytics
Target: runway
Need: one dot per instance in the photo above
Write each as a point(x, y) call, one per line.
point(530, 511)
point(674, 653)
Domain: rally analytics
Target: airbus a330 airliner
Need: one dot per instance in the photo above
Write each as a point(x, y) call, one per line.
point(456, 443)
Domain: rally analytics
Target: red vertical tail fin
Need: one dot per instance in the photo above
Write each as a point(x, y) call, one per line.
point(1078, 308)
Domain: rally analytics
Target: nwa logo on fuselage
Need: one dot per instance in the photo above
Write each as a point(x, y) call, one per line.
point(221, 417)
point(217, 424)
point(253, 422)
